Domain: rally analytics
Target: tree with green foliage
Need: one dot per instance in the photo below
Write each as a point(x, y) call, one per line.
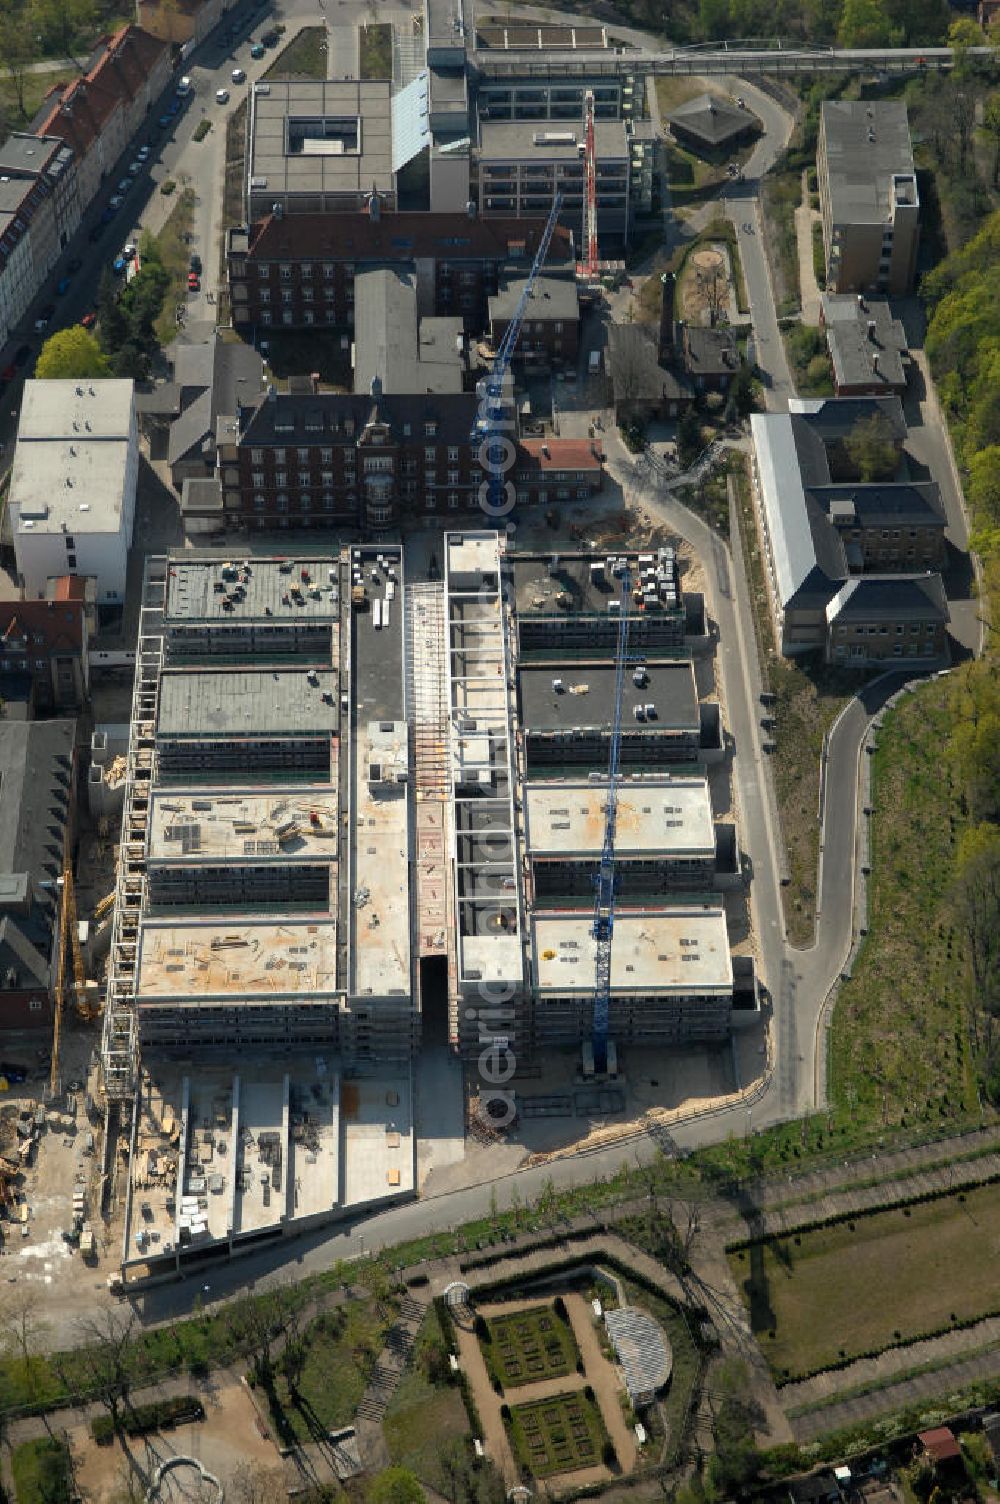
point(396, 1485)
point(963, 33)
point(871, 449)
point(16, 52)
point(62, 25)
point(991, 124)
point(69, 353)
point(977, 906)
point(689, 443)
point(864, 23)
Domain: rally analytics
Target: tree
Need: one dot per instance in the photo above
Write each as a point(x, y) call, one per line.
point(15, 52)
point(61, 24)
point(23, 1326)
point(688, 438)
point(69, 353)
point(106, 1357)
point(872, 449)
point(991, 123)
point(863, 23)
point(250, 1484)
point(396, 1485)
point(963, 33)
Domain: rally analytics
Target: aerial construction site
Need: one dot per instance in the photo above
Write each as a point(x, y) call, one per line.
point(363, 823)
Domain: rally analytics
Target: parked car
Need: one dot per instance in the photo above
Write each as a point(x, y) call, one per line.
point(222, 96)
point(164, 121)
point(185, 87)
point(129, 249)
point(135, 168)
point(238, 76)
point(196, 263)
point(44, 317)
point(89, 320)
point(194, 282)
point(143, 153)
point(114, 204)
point(118, 266)
point(124, 184)
point(257, 50)
point(63, 286)
point(108, 214)
point(271, 38)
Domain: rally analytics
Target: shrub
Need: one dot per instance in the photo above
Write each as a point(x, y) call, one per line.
point(167, 187)
point(608, 1454)
point(202, 129)
point(559, 1307)
point(156, 1416)
point(481, 1329)
point(42, 1471)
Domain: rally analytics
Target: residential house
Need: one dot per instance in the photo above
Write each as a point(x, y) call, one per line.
point(99, 112)
point(37, 814)
point(209, 377)
point(644, 383)
point(180, 21)
point(44, 645)
point(558, 470)
point(942, 1451)
point(868, 347)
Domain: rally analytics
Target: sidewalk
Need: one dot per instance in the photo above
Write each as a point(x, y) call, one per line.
point(809, 290)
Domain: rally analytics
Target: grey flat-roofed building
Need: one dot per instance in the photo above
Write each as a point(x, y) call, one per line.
point(522, 164)
point(210, 703)
point(262, 589)
point(867, 345)
point(868, 196)
point(319, 146)
point(567, 710)
point(569, 602)
point(397, 349)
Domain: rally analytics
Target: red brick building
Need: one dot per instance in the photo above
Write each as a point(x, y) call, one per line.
point(44, 644)
point(297, 272)
point(375, 462)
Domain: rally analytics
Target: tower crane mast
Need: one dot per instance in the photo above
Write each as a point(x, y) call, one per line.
point(487, 432)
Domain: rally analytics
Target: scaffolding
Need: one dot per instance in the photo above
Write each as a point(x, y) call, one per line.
point(120, 1042)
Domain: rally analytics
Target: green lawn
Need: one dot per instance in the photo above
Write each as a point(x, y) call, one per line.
point(36, 86)
point(781, 194)
point(304, 57)
point(557, 1435)
point(424, 1419)
point(375, 49)
point(525, 1346)
point(899, 1048)
point(342, 1348)
point(836, 1293)
point(43, 1472)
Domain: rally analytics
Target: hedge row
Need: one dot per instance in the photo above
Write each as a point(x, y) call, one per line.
point(837, 1364)
point(156, 1416)
point(742, 1244)
point(549, 1240)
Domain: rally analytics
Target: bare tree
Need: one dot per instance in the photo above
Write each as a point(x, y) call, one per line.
point(250, 1484)
point(106, 1358)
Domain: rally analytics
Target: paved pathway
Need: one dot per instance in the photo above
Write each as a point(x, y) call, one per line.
point(805, 218)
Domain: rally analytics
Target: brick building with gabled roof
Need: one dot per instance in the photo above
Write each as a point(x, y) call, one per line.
point(298, 272)
point(44, 645)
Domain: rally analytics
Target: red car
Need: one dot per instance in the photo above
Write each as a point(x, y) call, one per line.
point(194, 282)
point(89, 320)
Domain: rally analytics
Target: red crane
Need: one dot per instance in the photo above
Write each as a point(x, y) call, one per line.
point(590, 267)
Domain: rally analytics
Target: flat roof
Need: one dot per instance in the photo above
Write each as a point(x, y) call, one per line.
point(379, 870)
point(199, 702)
point(551, 298)
point(191, 959)
point(867, 144)
point(294, 824)
point(71, 459)
point(255, 589)
point(681, 949)
point(550, 140)
point(320, 136)
point(584, 584)
point(391, 344)
point(586, 699)
point(669, 816)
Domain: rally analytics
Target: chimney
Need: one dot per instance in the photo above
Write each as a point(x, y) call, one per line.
point(872, 327)
point(667, 341)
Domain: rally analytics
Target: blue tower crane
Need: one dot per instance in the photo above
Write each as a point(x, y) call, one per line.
point(489, 426)
point(604, 886)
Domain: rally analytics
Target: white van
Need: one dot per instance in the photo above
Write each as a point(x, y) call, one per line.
point(185, 86)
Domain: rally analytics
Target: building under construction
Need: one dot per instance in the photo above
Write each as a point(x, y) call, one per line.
point(359, 809)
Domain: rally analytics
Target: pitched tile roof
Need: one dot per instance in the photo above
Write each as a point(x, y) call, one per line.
point(401, 237)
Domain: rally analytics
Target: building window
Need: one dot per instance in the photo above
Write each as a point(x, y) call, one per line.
point(430, 429)
point(307, 294)
point(326, 456)
point(327, 478)
point(304, 477)
point(453, 477)
point(258, 502)
point(70, 541)
point(453, 451)
point(286, 317)
point(257, 456)
point(265, 317)
point(257, 477)
point(286, 273)
point(281, 478)
point(430, 454)
point(71, 560)
point(328, 270)
point(306, 271)
point(309, 317)
point(305, 501)
point(35, 1005)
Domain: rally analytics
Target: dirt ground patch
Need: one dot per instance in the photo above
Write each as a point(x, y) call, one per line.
point(228, 1438)
point(705, 284)
point(857, 1287)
